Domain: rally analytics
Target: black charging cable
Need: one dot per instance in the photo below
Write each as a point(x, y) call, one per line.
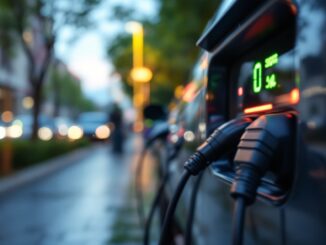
point(221, 141)
point(172, 153)
point(154, 205)
point(262, 148)
point(192, 209)
point(159, 131)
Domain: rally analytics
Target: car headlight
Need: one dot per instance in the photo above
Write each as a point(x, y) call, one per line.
point(75, 133)
point(2, 132)
point(103, 132)
point(45, 133)
point(14, 131)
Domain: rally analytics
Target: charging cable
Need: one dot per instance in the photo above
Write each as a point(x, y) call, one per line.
point(192, 209)
point(221, 141)
point(159, 131)
point(172, 153)
point(263, 147)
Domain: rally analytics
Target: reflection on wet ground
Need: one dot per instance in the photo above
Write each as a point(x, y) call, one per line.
point(89, 202)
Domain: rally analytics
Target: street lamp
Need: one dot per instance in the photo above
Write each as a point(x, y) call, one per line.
point(139, 74)
point(137, 31)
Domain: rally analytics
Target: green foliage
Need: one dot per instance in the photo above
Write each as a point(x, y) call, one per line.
point(36, 25)
point(170, 45)
point(65, 89)
point(26, 153)
point(7, 39)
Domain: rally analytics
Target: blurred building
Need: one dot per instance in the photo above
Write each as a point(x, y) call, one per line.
point(14, 84)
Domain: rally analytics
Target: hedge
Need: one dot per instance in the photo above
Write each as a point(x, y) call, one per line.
point(27, 153)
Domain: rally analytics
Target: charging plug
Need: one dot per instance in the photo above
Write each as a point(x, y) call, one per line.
point(222, 140)
point(263, 146)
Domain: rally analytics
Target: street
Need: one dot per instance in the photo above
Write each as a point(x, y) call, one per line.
point(75, 205)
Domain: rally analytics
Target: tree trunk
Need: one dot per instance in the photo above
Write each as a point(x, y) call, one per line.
point(37, 96)
point(57, 97)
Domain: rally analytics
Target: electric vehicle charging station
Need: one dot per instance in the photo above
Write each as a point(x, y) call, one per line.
point(267, 61)
point(259, 62)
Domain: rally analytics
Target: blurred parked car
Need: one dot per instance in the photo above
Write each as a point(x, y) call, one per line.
point(94, 125)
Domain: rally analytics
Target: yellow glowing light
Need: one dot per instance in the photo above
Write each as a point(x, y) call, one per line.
point(7, 116)
point(15, 131)
point(45, 133)
point(28, 102)
point(295, 96)
point(137, 31)
point(260, 108)
point(190, 92)
point(189, 136)
point(178, 92)
point(139, 100)
point(103, 132)
point(2, 132)
point(75, 133)
point(141, 74)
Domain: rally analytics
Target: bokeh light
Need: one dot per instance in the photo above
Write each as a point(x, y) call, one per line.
point(28, 102)
point(45, 133)
point(103, 132)
point(63, 129)
point(189, 136)
point(2, 132)
point(7, 116)
point(75, 133)
point(15, 131)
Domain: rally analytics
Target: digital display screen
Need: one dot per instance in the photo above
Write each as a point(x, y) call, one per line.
point(267, 82)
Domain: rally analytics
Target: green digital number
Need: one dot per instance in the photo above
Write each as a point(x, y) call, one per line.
point(257, 77)
point(271, 81)
point(271, 60)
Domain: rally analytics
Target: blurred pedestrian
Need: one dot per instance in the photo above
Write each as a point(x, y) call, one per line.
point(116, 119)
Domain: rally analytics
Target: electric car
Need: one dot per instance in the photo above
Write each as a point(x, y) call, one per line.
point(264, 62)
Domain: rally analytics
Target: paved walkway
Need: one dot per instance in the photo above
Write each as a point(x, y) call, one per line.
point(87, 202)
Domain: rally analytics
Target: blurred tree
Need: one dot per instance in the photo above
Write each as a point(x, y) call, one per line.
point(170, 45)
point(62, 85)
point(37, 24)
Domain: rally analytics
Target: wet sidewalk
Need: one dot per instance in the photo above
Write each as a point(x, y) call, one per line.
point(87, 202)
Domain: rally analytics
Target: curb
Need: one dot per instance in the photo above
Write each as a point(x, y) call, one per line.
point(41, 170)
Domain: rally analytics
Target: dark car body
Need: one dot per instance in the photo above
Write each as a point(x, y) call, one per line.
point(243, 31)
point(90, 121)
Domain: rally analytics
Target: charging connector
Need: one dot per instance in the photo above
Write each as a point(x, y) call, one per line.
point(263, 147)
point(223, 140)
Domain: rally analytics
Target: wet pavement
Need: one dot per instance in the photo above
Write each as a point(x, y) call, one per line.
point(76, 205)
